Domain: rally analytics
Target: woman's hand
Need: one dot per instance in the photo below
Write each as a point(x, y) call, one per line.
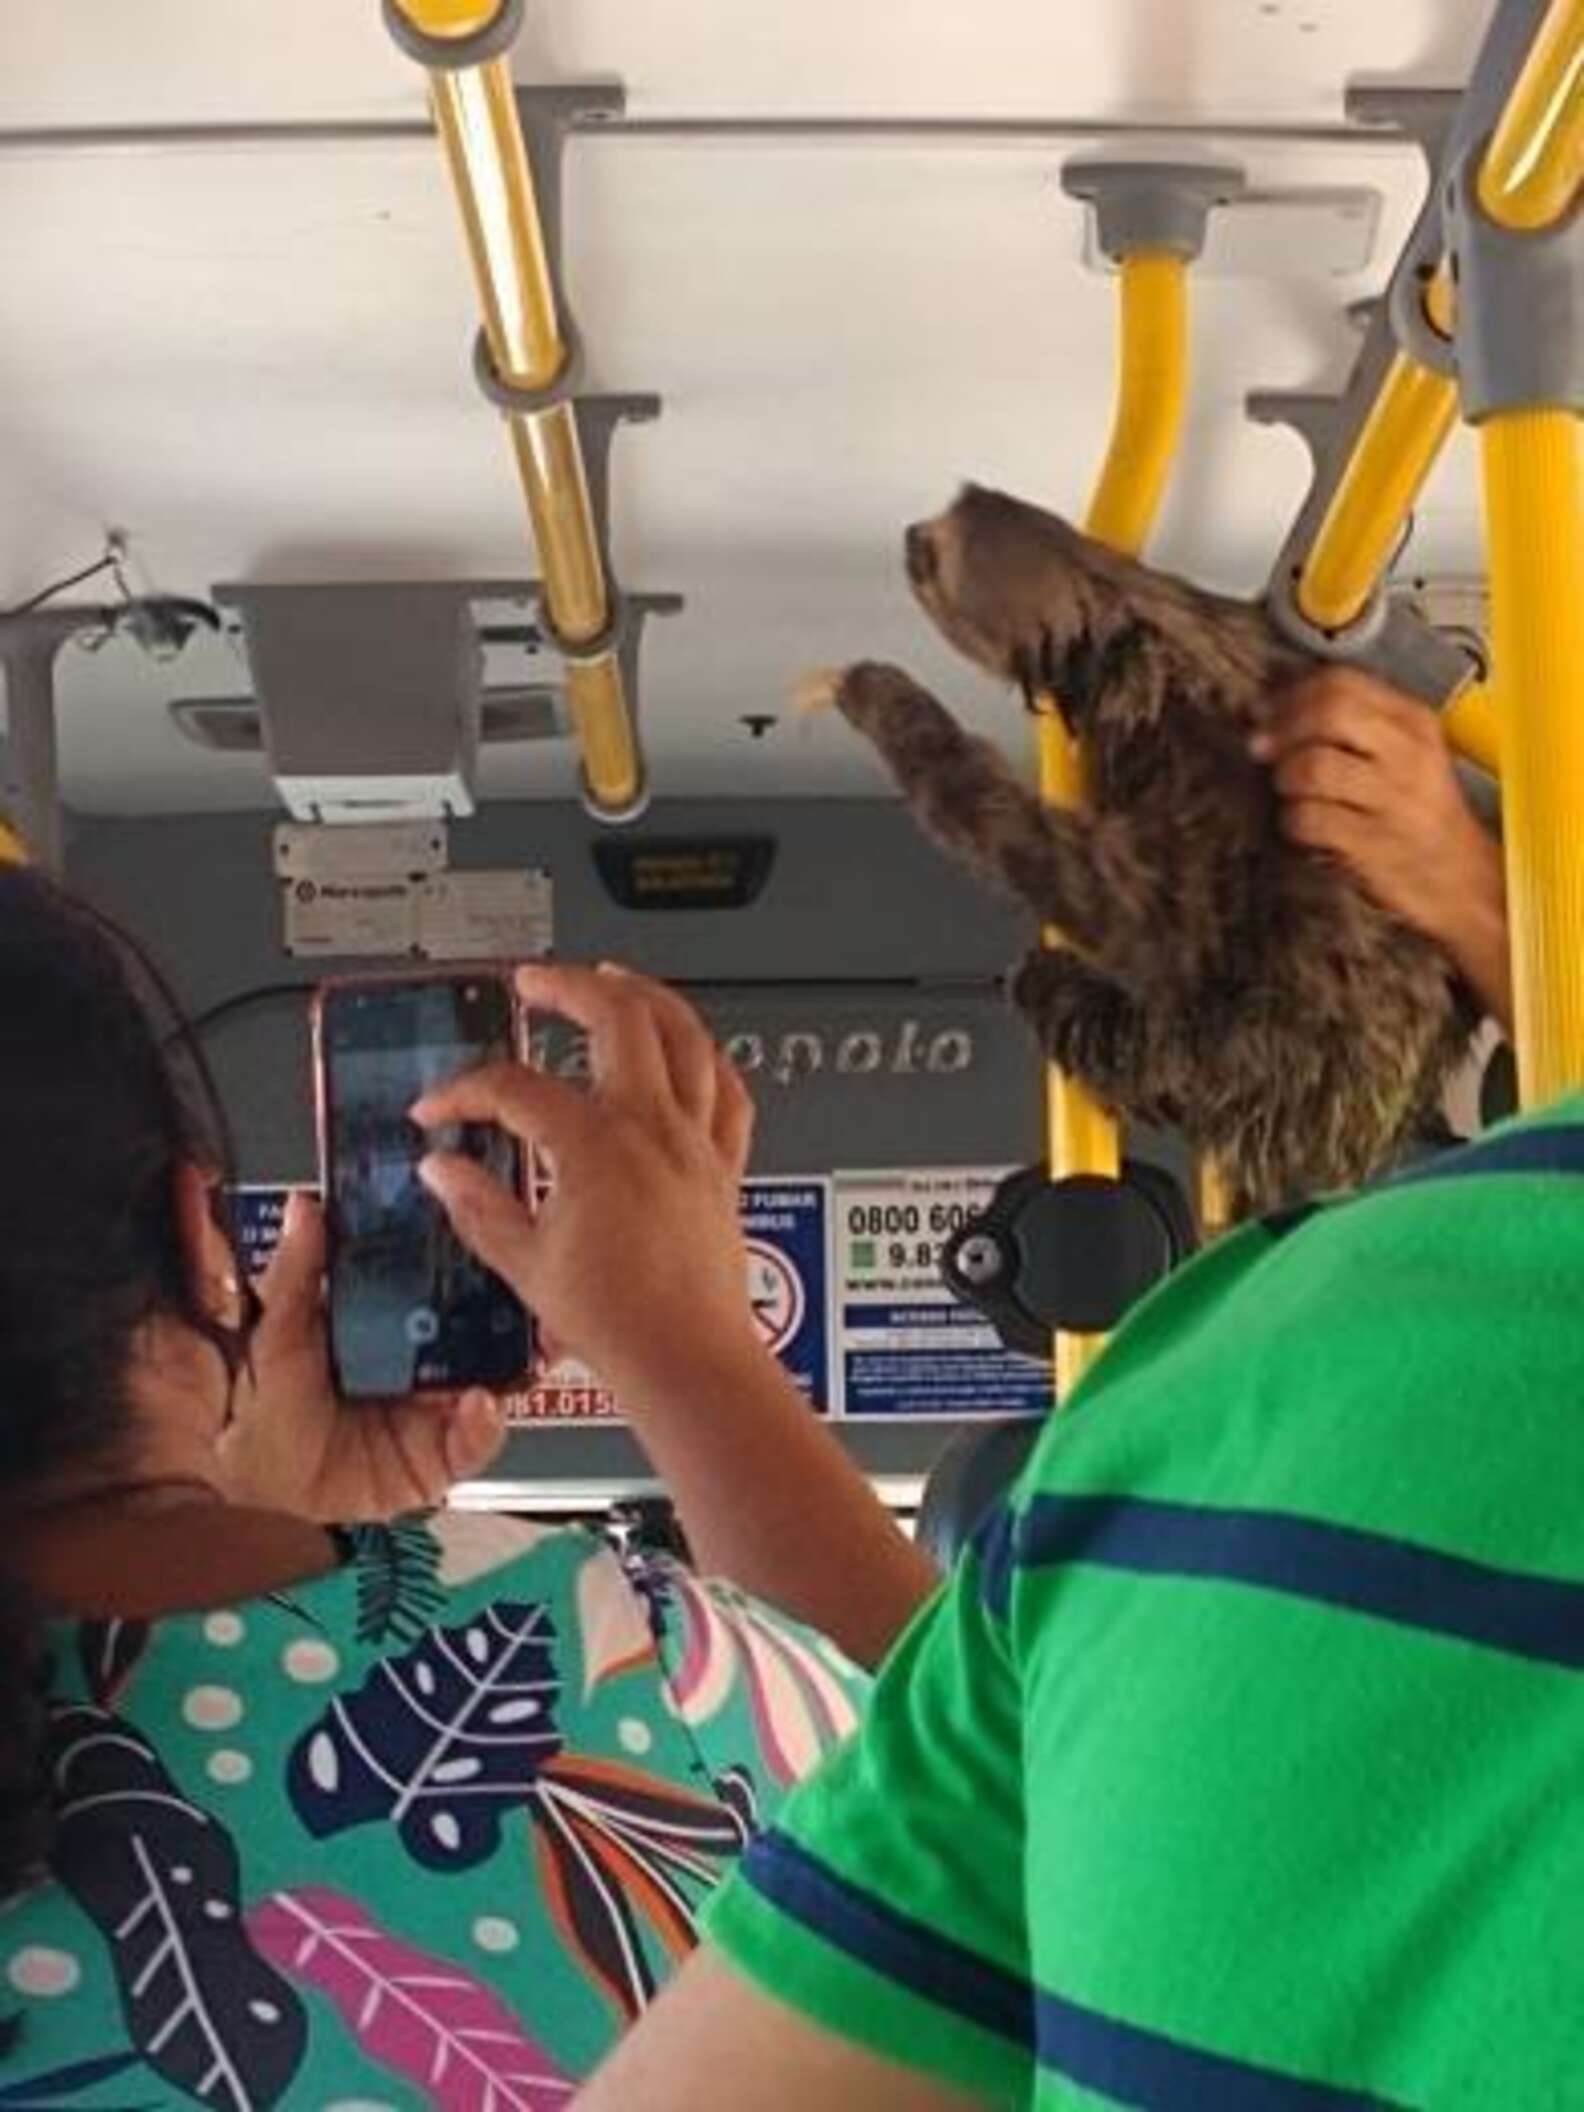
point(1366, 773)
point(635, 1262)
point(293, 1446)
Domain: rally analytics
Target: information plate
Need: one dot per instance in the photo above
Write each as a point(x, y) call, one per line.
point(905, 1346)
point(351, 919)
point(506, 916)
point(385, 850)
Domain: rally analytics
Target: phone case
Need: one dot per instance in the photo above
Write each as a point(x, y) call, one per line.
point(474, 972)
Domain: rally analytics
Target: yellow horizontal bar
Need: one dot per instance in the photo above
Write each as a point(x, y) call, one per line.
point(476, 111)
point(450, 18)
point(1534, 492)
point(555, 481)
point(1407, 427)
point(1472, 725)
point(1535, 166)
point(604, 729)
point(1152, 392)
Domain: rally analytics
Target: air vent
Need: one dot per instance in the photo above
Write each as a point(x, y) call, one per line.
point(234, 726)
point(536, 714)
point(230, 725)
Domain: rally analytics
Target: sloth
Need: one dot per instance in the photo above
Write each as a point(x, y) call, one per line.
point(1200, 971)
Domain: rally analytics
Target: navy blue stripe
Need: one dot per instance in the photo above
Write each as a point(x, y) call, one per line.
point(1157, 2074)
point(1334, 1565)
point(1550, 1150)
point(994, 1543)
point(894, 1944)
point(1121, 2061)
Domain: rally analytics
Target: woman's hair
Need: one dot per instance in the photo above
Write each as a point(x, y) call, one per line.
point(94, 1126)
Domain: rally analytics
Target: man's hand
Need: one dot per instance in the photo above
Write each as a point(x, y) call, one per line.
point(293, 1446)
point(1365, 773)
point(636, 1259)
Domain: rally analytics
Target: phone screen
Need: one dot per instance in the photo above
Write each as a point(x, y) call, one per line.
point(410, 1308)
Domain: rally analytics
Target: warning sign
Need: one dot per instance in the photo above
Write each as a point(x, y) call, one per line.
point(788, 1227)
point(906, 1348)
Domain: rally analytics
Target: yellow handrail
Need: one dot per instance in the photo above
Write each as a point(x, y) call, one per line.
point(1534, 168)
point(1398, 446)
point(476, 112)
point(1152, 395)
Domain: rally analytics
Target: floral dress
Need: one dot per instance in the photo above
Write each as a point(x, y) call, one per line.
point(430, 1830)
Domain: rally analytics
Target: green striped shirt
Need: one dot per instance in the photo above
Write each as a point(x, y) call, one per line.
point(1240, 1768)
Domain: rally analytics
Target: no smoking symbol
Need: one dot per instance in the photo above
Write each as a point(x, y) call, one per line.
point(775, 1290)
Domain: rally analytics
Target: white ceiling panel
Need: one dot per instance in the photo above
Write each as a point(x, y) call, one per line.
point(118, 62)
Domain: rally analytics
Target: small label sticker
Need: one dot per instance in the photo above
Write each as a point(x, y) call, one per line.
point(389, 850)
point(369, 919)
point(486, 916)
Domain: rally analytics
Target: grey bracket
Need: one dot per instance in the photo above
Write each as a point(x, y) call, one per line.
point(1153, 205)
point(1445, 125)
point(1428, 117)
point(1389, 637)
point(29, 648)
point(1520, 331)
point(456, 54)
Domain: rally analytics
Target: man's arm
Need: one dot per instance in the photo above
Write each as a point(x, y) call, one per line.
point(714, 2043)
point(1366, 773)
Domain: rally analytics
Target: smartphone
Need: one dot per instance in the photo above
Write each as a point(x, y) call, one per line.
point(410, 1310)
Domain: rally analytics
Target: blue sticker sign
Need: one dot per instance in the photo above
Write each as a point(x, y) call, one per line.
point(258, 1214)
point(907, 1349)
point(787, 1226)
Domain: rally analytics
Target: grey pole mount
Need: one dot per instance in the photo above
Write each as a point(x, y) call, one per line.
point(1160, 207)
point(456, 54)
point(1388, 637)
point(1519, 341)
point(1448, 126)
point(30, 758)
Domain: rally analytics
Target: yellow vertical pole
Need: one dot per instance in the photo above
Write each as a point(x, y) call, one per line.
point(1532, 178)
point(1152, 396)
point(12, 850)
point(1534, 486)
